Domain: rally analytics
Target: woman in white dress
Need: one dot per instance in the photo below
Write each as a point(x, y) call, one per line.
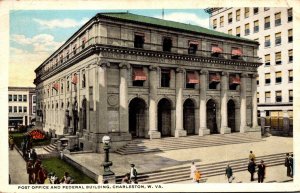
point(193, 170)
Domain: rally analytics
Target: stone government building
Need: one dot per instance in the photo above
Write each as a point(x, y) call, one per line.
point(131, 76)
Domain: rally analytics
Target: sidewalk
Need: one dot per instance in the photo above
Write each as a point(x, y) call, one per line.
point(17, 168)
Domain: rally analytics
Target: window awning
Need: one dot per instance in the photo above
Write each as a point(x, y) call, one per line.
point(216, 49)
point(192, 78)
point(138, 74)
point(234, 80)
point(193, 42)
point(56, 86)
point(75, 79)
point(237, 52)
point(214, 78)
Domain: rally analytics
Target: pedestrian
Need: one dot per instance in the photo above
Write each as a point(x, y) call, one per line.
point(291, 161)
point(229, 173)
point(66, 179)
point(252, 156)
point(193, 170)
point(30, 171)
point(126, 179)
point(197, 176)
point(11, 143)
point(261, 171)
point(287, 164)
point(251, 168)
point(133, 174)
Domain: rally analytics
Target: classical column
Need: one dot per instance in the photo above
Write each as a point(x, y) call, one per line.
point(179, 106)
point(102, 99)
point(254, 102)
point(123, 100)
point(263, 121)
point(202, 112)
point(153, 131)
point(87, 96)
point(243, 109)
point(224, 89)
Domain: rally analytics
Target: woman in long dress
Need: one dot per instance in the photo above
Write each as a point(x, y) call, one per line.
point(193, 170)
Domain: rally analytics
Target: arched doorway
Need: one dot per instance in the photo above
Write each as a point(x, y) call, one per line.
point(164, 117)
point(189, 117)
point(211, 116)
point(137, 121)
point(231, 115)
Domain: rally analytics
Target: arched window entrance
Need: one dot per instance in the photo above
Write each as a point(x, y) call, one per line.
point(211, 116)
point(164, 117)
point(231, 115)
point(137, 108)
point(189, 117)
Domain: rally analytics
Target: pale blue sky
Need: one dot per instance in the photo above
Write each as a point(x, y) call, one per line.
point(34, 35)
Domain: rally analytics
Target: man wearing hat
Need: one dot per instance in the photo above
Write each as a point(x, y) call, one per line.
point(30, 171)
point(133, 173)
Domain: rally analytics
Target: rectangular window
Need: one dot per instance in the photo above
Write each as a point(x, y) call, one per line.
point(238, 31)
point(267, 78)
point(10, 109)
point(139, 40)
point(193, 47)
point(15, 97)
point(34, 99)
point(290, 55)
point(83, 43)
point(191, 79)
point(230, 32)
point(214, 23)
point(25, 98)
point(278, 57)
point(278, 77)
point(247, 9)
point(267, 97)
point(277, 19)
point(138, 76)
point(290, 14)
point(20, 98)
point(247, 29)
point(9, 97)
point(230, 17)
point(74, 49)
point(221, 21)
point(267, 22)
point(290, 34)
point(255, 10)
point(278, 96)
point(266, 8)
point(25, 109)
point(165, 78)
point(290, 75)
point(257, 81)
point(256, 26)
point(290, 95)
point(20, 109)
point(68, 85)
point(238, 15)
point(257, 97)
point(62, 87)
point(267, 41)
point(83, 82)
point(267, 60)
point(33, 109)
point(278, 38)
point(216, 51)
point(15, 109)
point(167, 44)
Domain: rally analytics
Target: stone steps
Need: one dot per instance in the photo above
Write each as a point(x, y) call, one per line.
point(182, 173)
point(172, 143)
point(51, 148)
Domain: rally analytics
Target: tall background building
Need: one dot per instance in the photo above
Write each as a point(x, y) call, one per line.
point(273, 29)
point(21, 106)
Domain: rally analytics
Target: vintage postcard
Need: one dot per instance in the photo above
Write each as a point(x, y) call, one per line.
point(149, 96)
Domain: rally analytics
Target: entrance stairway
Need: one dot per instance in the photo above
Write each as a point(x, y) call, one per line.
point(52, 148)
point(171, 143)
point(182, 173)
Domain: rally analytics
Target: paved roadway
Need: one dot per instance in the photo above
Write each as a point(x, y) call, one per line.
point(17, 168)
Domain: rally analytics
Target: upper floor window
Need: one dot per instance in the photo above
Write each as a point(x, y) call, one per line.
point(290, 75)
point(256, 26)
point(61, 58)
point(257, 97)
point(230, 17)
point(236, 53)
point(193, 47)
point(238, 31)
point(257, 80)
point(277, 19)
point(214, 80)
point(62, 87)
point(267, 78)
point(290, 95)
point(68, 84)
point(83, 41)
point(278, 96)
point(234, 81)
point(278, 38)
point(191, 79)
point(230, 31)
point(255, 10)
point(10, 109)
point(83, 81)
point(267, 22)
point(16, 109)
point(139, 40)
point(221, 21)
point(20, 109)
point(67, 55)
point(216, 50)
point(267, 60)
point(167, 44)
point(290, 14)
point(25, 109)
point(278, 57)
point(34, 99)
point(165, 78)
point(290, 35)
point(247, 29)
point(9, 97)
point(290, 55)
point(138, 76)
point(238, 15)
point(266, 8)
point(268, 97)
point(20, 98)
point(278, 77)
point(74, 49)
point(247, 9)
point(15, 97)
point(214, 23)
point(267, 41)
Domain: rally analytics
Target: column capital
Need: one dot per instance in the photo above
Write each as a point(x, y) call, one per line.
point(179, 70)
point(255, 75)
point(203, 72)
point(153, 68)
point(224, 73)
point(244, 75)
point(124, 65)
point(103, 63)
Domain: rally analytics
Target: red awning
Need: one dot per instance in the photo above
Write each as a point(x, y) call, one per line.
point(216, 49)
point(237, 52)
point(192, 78)
point(138, 74)
point(234, 80)
point(74, 79)
point(194, 42)
point(55, 86)
point(214, 78)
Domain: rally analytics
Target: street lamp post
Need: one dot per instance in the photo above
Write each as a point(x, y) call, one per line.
point(108, 176)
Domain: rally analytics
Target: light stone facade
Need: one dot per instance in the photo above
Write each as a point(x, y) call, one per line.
point(124, 91)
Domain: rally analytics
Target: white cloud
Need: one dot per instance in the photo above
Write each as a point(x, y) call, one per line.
point(189, 18)
point(63, 23)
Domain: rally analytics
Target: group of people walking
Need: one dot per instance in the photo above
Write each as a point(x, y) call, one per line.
point(261, 168)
